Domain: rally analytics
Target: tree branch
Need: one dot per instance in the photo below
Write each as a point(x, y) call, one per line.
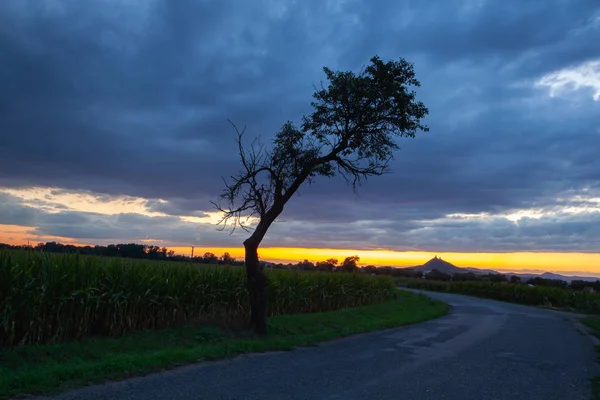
point(351, 131)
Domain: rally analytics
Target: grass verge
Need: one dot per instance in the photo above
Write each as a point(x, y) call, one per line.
point(50, 369)
point(594, 324)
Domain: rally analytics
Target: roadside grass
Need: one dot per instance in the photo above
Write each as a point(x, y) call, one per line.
point(594, 324)
point(51, 369)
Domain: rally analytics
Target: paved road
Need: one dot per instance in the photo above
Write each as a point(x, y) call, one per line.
point(482, 350)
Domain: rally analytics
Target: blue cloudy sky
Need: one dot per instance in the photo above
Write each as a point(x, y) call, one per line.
point(113, 119)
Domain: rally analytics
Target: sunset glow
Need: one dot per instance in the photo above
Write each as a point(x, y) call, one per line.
point(564, 262)
point(572, 262)
point(514, 261)
point(20, 235)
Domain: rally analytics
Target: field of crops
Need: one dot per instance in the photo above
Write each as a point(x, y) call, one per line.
point(515, 293)
point(51, 297)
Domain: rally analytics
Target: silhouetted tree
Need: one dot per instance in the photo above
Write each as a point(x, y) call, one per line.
point(539, 281)
point(436, 275)
point(210, 258)
point(112, 250)
point(306, 265)
point(153, 252)
point(350, 263)
point(133, 250)
point(328, 265)
point(515, 279)
point(54, 247)
point(370, 269)
point(351, 130)
point(227, 259)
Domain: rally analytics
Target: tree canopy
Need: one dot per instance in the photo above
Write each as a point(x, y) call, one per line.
point(351, 131)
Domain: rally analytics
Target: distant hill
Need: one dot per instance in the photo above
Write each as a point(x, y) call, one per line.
point(481, 271)
point(551, 275)
point(449, 268)
point(440, 265)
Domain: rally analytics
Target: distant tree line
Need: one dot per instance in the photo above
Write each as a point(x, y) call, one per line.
point(134, 250)
point(126, 250)
point(349, 264)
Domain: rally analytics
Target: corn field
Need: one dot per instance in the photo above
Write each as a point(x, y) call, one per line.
point(46, 298)
point(515, 293)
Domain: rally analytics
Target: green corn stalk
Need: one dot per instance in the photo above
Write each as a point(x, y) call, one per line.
point(47, 297)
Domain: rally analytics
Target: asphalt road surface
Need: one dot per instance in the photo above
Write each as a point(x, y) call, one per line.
point(482, 350)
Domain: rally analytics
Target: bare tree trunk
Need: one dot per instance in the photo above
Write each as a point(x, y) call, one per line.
point(256, 278)
point(257, 288)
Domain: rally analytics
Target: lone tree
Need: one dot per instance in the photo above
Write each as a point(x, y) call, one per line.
point(351, 131)
point(350, 263)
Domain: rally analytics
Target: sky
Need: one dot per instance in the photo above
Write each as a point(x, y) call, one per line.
point(114, 125)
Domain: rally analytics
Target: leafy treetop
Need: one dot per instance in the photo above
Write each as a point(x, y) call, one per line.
point(351, 131)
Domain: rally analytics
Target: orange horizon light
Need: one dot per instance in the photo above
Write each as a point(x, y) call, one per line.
point(510, 261)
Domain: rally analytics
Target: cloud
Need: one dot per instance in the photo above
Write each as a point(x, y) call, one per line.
point(570, 225)
point(103, 229)
point(586, 75)
point(179, 207)
point(130, 100)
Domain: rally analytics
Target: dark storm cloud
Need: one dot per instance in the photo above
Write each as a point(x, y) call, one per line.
point(101, 228)
point(180, 207)
point(133, 100)
point(572, 233)
point(567, 233)
point(560, 31)
point(404, 229)
point(81, 104)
